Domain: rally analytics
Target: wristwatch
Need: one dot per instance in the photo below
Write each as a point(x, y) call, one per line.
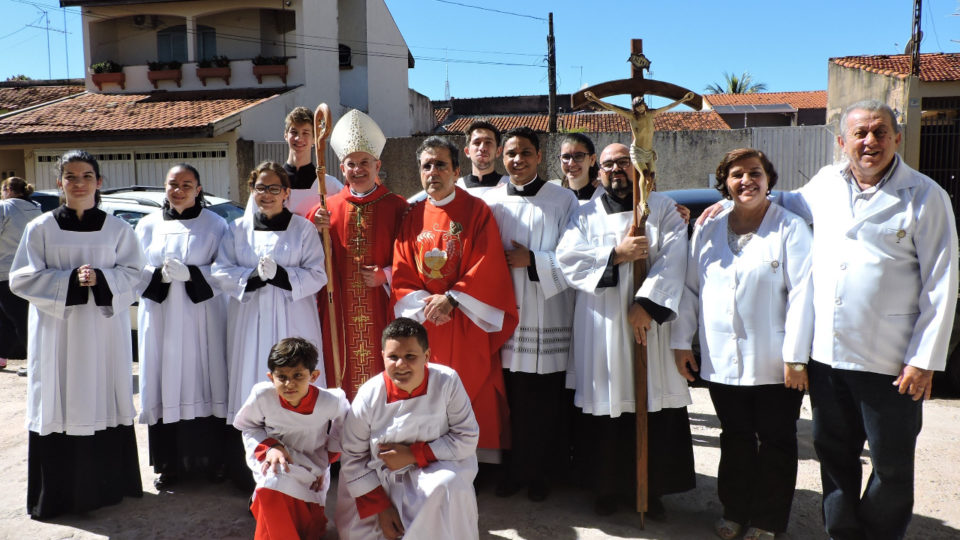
point(452, 300)
point(796, 366)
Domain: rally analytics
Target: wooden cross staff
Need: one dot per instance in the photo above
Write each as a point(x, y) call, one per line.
point(321, 130)
point(641, 122)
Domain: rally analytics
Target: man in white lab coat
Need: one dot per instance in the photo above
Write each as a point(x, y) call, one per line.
point(885, 291)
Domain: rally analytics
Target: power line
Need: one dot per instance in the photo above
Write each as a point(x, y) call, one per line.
point(481, 8)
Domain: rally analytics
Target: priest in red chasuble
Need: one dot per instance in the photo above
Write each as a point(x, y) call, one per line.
point(363, 219)
point(450, 273)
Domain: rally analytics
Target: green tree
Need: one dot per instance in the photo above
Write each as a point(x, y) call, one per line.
point(19, 78)
point(733, 84)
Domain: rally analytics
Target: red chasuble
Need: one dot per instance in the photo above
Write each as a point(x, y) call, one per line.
point(362, 230)
point(458, 247)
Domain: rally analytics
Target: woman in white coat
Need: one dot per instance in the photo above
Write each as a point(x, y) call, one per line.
point(78, 267)
point(182, 333)
point(748, 289)
point(271, 266)
point(16, 210)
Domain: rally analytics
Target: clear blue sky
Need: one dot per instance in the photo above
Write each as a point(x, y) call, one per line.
point(784, 44)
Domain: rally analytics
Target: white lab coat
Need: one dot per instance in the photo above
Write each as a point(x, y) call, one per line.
point(754, 310)
point(602, 373)
point(885, 281)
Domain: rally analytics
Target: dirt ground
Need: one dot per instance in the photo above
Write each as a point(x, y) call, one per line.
point(219, 511)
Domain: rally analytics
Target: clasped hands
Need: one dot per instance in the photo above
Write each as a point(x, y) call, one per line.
point(86, 276)
point(267, 267)
point(438, 309)
point(174, 270)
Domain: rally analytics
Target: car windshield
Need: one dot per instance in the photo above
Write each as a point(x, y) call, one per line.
point(227, 211)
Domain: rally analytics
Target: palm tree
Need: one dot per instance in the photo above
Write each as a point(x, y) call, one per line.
point(736, 85)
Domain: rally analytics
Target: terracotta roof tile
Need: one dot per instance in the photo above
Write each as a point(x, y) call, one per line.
point(441, 114)
point(124, 115)
point(594, 122)
point(12, 99)
point(934, 67)
point(815, 99)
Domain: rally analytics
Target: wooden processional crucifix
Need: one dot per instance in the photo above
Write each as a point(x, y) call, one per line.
point(644, 161)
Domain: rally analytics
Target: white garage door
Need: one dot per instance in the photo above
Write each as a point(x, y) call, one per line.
point(146, 166)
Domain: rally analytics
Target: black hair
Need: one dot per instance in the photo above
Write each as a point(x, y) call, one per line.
point(293, 352)
point(79, 155)
point(579, 138)
point(526, 133)
point(482, 124)
point(404, 328)
point(433, 142)
point(201, 200)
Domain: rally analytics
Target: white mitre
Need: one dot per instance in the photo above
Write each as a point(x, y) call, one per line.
point(357, 132)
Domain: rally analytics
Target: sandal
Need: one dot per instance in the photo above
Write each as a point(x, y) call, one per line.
point(726, 529)
point(753, 533)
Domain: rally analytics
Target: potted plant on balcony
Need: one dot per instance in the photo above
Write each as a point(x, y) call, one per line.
point(108, 72)
point(164, 71)
point(270, 65)
point(217, 67)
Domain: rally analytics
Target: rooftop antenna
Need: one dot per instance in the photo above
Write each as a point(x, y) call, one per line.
point(46, 27)
point(446, 84)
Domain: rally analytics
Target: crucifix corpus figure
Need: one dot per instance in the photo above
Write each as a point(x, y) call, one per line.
point(641, 125)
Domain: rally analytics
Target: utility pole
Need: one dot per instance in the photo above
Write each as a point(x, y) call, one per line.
point(916, 36)
point(552, 75)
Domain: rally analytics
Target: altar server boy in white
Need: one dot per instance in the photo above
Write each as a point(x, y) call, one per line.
point(409, 448)
point(291, 432)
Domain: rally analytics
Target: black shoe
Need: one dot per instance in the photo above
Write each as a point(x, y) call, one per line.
point(655, 509)
point(605, 505)
point(538, 491)
point(508, 487)
point(165, 481)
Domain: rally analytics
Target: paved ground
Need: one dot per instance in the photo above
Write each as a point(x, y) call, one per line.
point(219, 511)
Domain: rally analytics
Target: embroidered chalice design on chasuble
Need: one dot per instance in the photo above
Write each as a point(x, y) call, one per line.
point(439, 252)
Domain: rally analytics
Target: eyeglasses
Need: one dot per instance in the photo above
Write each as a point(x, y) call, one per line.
point(576, 156)
point(612, 164)
point(274, 189)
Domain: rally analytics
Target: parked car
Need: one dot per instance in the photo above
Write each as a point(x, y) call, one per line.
point(134, 202)
point(131, 204)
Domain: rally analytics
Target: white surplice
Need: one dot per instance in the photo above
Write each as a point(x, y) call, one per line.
point(80, 373)
point(302, 200)
point(258, 319)
point(183, 357)
point(478, 191)
point(541, 342)
point(437, 501)
point(308, 438)
point(603, 340)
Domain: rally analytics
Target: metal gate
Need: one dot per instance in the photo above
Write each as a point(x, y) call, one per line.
point(797, 152)
point(940, 144)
